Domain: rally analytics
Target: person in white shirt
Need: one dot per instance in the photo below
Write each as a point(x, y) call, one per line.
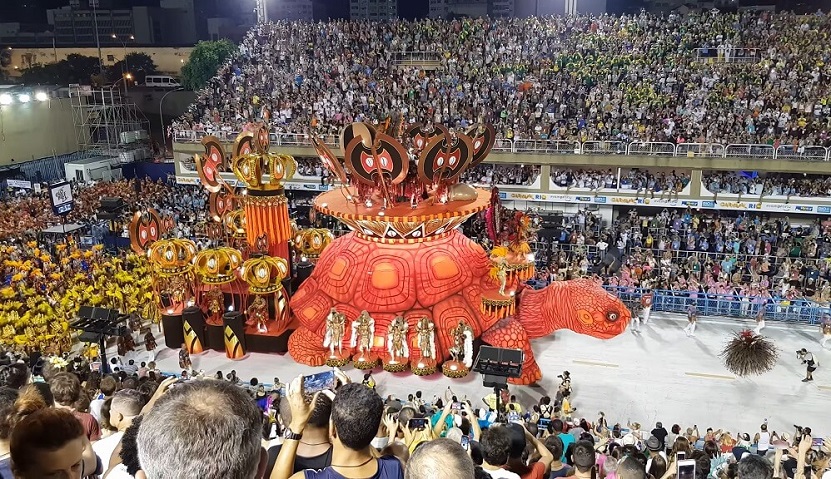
point(762, 440)
point(126, 405)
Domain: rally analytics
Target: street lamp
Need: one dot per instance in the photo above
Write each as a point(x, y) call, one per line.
point(124, 67)
point(161, 118)
point(125, 78)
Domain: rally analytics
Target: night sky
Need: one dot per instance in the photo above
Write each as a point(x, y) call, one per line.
point(34, 11)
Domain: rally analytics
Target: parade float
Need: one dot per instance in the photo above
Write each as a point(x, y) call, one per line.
point(406, 287)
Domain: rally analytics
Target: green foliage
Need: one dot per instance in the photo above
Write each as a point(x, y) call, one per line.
point(204, 61)
point(75, 69)
point(139, 65)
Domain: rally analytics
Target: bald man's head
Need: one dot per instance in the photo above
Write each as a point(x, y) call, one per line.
point(439, 459)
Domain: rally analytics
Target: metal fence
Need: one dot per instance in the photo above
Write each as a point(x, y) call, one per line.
point(728, 55)
point(47, 170)
point(729, 305)
point(563, 147)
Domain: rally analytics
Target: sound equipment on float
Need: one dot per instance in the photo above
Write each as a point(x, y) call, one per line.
point(96, 326)
point(497, 365)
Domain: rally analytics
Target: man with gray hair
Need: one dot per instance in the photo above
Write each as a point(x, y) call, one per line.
point(439, 459)
point(202, 430)
point(124, 407)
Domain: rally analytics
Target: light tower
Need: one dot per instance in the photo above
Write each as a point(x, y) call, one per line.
point(262, 11)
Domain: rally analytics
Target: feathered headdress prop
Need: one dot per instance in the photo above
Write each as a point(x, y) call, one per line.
point(748, 353)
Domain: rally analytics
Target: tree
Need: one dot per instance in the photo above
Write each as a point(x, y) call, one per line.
point(74, 69)
point(204, 61)
point(137, 64)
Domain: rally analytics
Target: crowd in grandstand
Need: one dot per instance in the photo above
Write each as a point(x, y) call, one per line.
point(695, 254)
point(488, 174)
point(74, 422)
point(760, 78)
point(776, 184)
point(184, 204)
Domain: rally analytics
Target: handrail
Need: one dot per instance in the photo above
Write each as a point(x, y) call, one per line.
point(651, 148)
point(729, 305)
point(567, 147)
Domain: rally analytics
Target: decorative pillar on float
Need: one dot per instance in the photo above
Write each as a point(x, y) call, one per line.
point(265, 203)
point(193, 326)
point(234, 335)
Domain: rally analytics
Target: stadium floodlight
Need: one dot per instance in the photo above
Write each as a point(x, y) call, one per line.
point(41, 96)
point(5, 99)
point(24, 98)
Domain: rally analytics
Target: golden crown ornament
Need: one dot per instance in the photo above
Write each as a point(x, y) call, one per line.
point(264, 274)
point(171, 256)
point(312, 241)
point(217, 265)
point(251, 160)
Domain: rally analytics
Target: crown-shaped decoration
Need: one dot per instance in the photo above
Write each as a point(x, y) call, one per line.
point(217, 265)
point(235, 223)
point(251, 159)
point(264, 274)
point(312, 241)
point(172, 256)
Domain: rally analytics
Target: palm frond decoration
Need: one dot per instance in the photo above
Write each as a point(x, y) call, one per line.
point(748, 353)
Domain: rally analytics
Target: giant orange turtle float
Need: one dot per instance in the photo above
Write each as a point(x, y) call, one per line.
point(405, 257)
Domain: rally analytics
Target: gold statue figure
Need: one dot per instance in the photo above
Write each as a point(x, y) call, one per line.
point(462, 349)
point(426, 338)
point(335, 326)
point(397, 339)
point(363, 332)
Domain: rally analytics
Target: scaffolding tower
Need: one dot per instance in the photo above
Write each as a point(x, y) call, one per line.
point(106, 122)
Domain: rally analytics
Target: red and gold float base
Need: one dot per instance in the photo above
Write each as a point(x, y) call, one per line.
point(394, 366)
point(454, 369)
point(338, 359)
point(365, 361)
point(423, 367)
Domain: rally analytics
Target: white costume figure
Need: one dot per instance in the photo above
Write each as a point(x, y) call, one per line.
point(646, 304)
point(363, 328)
point(397, 339)
point(462, 349)
point(636, 317)
point(335, 324)
point(760, 321)
point(826, 334)
point(426, 338)
point(692, 318)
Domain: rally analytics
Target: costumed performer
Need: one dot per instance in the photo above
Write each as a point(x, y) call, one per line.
point(335, 326)
point(363, 330)
point(257, 313)
point(426, 338)
point(397, 339)
point(462, 349)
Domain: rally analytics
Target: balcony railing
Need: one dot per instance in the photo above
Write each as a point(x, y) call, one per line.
point(563, 147)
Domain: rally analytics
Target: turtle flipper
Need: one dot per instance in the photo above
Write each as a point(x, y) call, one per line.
point(508, 333)
point(306, 348)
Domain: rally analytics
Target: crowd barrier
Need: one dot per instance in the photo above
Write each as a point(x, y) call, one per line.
point(728, 305)
point(563, 147)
